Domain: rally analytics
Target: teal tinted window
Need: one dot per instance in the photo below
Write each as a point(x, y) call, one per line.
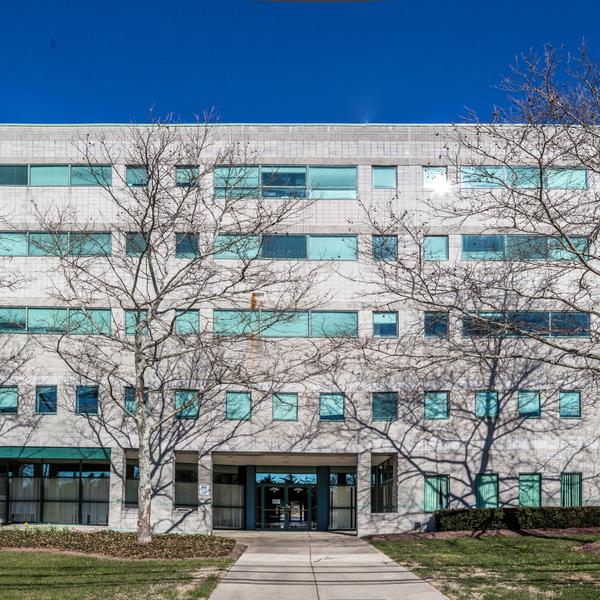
point(435, 324)
point(529, 404)
point(571, 489)
point(136, 176)
point(482, 247)
point(385, 406)
point(385, 247)
point(187, 403)
point(332, 182)
point(236, 322)
point(187, 176)
point(236, 182)
point(486, 490)
point(436, 488)
point(484, 176)
point(284, 323)
point(238, 406)
point(334, 324)
point(48, 244)
point(285, 407)
point(129, 399)
point(436, 405)
point(135, 243)
point(566, 179)
point(331, 407)
point(435, 247)
point(233, 246)
point(526, 247)
point(570, 404)
point(186, 245)
point(283, 246)
point(91, 321)
point(13, 243)
point(14, 174)
point(13, 320)
point(567, 248)
point(569, 324)
point(9, 399)
point(333, 247)
point(91, 244)
point(384, 177)
point(486, 404)
point(49, 175)
point(87, 399)
point(45, 399)
point(283, 182)
point(530, 489)
point(47, 320)
point(385, 324)
point(86, 175)
point(435, 178)
point(187, 322)
point(135, 318)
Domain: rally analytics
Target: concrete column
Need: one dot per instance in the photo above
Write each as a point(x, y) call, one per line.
point(250, 497)
point(205, 492)
point(163, 490)
point(363, 493)
point(322, 498)
point(116, 498)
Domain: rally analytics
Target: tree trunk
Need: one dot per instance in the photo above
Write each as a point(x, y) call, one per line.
point(144, 528)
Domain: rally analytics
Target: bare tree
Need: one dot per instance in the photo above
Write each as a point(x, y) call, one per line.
point(168, 223)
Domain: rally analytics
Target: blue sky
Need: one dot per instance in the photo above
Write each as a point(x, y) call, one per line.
point(260, 61)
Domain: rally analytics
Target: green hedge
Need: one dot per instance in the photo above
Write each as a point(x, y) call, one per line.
point(547, 517)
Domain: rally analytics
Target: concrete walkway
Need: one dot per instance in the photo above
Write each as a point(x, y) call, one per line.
point(317, 566)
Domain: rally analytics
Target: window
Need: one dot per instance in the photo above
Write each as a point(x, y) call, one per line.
point(333, 247)
point(13, 243)
point(529, 404)
point(285, 407)
point(90, 321)
point(187, 176)
point(284, 246)
point(238, 406)
point(135, 243)
point(283, 323)
point(384, 177)
point(437, 405)
point(186, 485)
point(486, 490)
point(486, 404)
point(132, 480)
point(48, 244)
point(569, 324)
point(385, 324)
point(569, 404)
point(436, 324)
point(334, 323)
point(283, 182)
point(130, 401)
point(237, 322)
point(482, 247)
point(13, 320)
point(49, 175)
point(9, 399)
point(47, 320)
point(236, 182)
point(435, 178)
point(136, 320)
point(570, 489)
point(36, 243)
point(385, 406)
point(187, 403)
point(382, 486)
point(494, 176)
point(87, 399)
point(186, 245)
point(385, 247)
point(436, 492)
point(90, 244)
point(332, 183)
point(136, 176)
point(331, 407)
point(530, 489)
point(435, 247)
point(94, 175)
point(45, 399)
point(566, 179)
point(187, 322)
point(234, 246)
point(14, 174)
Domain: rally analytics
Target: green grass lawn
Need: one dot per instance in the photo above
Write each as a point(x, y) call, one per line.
point(53, 576)
point(502, 568)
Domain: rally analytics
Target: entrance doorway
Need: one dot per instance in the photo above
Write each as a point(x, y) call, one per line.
point(286, 506)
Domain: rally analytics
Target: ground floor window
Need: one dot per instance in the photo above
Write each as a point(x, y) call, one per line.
point(486, 490)
point(342, 498)
point(228, 496)
point(436, 492)
point(186, 485)
point(570, 489)
point(132, 482)
point(530, 489)
point(382, 487)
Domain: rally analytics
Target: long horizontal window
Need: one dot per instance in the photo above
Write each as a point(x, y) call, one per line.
point(286, 181)
point(269, 323)
point(42, 243)
point(520, 323)
point(521, 177)
point(56, 175)
point(74, 321)
point(291, 247)
point(522, 247)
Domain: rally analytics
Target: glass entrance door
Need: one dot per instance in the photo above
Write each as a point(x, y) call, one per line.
point(285, 506)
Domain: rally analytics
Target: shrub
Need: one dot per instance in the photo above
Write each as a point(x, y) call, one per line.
point(546, 517)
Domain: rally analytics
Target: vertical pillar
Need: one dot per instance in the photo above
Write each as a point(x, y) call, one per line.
point(163, 489)
point(116, 494)
point(322, 498)
point(205, 493)
point(363, 493)
point(250, 493)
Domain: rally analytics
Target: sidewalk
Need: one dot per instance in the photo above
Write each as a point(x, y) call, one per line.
point(317, 566)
